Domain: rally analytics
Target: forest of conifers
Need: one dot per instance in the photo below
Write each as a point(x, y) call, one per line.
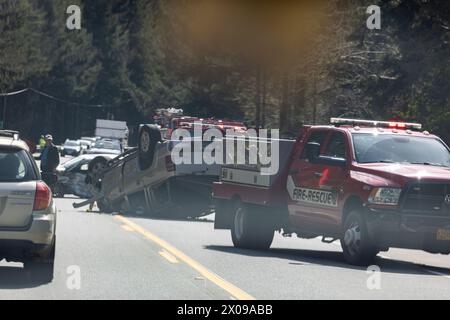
point(276, 64)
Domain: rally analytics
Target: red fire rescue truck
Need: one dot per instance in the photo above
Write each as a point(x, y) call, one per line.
point(370, 184)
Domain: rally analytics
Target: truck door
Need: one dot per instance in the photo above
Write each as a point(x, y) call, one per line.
point(302, 187)
point(332, 180)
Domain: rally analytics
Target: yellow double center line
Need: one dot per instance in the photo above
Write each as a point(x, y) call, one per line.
point(211, 276)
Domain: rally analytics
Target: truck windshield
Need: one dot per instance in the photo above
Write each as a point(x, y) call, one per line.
point(372, 148)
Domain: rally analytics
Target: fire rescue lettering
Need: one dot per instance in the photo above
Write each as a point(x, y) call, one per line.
point(324, 198)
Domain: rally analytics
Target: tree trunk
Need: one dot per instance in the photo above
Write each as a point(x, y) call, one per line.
point(299, 101)
point(314, 100)
point(264, 99)
point(284, 109)
point(258, 98)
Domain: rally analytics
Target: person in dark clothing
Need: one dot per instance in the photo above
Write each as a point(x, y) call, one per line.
point(49, 162)
point(49, 156)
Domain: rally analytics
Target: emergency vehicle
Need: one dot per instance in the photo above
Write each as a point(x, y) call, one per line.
point(372, 185)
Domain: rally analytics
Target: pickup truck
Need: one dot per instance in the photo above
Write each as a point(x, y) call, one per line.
point(372, 185)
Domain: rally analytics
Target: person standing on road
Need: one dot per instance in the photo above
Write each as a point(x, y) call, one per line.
point(49, 156)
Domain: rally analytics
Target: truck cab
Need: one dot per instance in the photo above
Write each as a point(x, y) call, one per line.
point(372, 185)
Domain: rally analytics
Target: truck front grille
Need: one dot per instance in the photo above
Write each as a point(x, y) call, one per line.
point(427, 198)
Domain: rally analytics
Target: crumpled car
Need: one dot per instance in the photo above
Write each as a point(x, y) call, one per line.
point(72, 175)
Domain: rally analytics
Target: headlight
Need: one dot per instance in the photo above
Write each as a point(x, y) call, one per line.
point(385, 196)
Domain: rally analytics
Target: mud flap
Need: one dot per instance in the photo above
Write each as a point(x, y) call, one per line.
point(223, 219)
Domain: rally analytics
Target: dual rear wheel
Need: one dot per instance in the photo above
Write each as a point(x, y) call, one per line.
point(251, 228)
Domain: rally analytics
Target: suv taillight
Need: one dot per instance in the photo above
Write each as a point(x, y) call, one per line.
point(43, 197)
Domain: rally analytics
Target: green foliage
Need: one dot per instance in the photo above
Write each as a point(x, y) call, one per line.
point(272, 64)
point(24, 54)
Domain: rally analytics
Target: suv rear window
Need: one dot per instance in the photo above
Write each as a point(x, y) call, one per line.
point(15, 166)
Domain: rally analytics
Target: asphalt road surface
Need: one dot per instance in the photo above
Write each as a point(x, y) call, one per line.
point(103, 256)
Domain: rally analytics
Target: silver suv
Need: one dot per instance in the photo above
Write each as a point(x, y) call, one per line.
point(27, 211)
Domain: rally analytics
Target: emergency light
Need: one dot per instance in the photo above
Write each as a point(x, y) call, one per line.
point(375, 124)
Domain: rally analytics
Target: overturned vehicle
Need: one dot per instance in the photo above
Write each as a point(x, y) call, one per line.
point(145, 181)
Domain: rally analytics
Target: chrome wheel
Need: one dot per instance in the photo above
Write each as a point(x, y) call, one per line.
point(145, 141)
point(357, 245)
point(352, 238)
point(239, 223)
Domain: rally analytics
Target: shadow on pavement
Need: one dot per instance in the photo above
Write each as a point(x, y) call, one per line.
point(302, 257)
point(203, 219)
point(207, 217)
point(19, 278)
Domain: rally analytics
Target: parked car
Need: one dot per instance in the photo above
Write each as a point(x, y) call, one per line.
point(71, 148)
point(27, 210)
point(91, 139)
point(85, 145)
point(106, 146)
point(72, 175)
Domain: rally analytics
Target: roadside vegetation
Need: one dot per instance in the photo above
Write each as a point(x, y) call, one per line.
point(272, 63)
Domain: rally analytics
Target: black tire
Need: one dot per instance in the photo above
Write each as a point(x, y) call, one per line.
point(149, 136)
point(355, 241)
point(251, 229)
point(58, 191)
point(104, 206)
point(42, 268)
point(96, 167)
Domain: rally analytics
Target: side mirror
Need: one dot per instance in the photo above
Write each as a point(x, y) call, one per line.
point(312, 151)
point(331, 161)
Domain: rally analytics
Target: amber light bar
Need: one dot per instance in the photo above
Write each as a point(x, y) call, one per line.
point(376, 124)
